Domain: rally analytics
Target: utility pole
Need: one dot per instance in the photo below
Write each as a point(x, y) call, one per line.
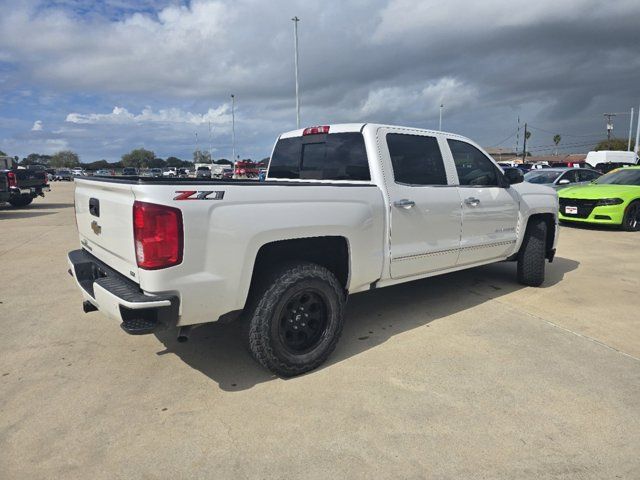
point(636, 148)
point(440, 122)
point(295, 44)
point(630, 130)
point(197, 156)
point(210, 143)
point(524, 147)
point(609, 116)
point(233, 130)
point(518, 136)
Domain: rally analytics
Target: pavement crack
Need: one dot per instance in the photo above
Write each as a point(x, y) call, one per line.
point(568, 330)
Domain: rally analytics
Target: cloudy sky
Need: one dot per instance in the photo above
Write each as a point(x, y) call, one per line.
point(104, 77)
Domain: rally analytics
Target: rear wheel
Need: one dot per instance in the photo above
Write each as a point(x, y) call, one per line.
point(20, 200)
point(531, 258)
point(297, 320)
point(631, 220)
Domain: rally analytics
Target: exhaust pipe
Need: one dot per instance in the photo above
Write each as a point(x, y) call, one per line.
point(183, 333)
point(87, 306)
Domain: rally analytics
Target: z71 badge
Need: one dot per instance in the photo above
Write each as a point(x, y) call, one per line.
point(199, 195)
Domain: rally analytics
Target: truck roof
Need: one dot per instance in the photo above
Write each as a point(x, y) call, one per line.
point(358, 127)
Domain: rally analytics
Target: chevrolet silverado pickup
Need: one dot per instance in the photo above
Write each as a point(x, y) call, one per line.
point(344, 209)
point(25, 184)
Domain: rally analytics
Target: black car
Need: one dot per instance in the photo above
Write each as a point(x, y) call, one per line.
point(608, 166)
point(129, 171)
point(24, 184)
point(4, 188)
point(203, 172)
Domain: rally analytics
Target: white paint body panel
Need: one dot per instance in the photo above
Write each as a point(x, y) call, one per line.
point(223, 237)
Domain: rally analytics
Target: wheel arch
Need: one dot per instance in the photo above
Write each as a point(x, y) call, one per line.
point(331, 252)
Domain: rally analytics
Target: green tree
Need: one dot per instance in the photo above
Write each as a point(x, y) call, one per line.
point(614, 144)
point(98, 165)
point(138, 158)
point(174, 162)
point(556, 140)
point(65, 159)
point(36, 159)
point(157, 163)
point(2, 154)
point(223, 161)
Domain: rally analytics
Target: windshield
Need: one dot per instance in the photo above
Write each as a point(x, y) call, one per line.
point(630, 176)
point(541, 177)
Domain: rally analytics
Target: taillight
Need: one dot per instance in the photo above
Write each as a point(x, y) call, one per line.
point(316, 130)
point(11, 177)
point(158, 235)
point(46, 178)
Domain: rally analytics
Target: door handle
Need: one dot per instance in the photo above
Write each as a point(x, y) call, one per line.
point(472, 202)
point(404, 203)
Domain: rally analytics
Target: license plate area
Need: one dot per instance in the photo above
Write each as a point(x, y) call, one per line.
point(571, 210)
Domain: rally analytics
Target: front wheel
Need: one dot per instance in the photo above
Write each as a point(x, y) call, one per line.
point(631, 220)
point(297, 320)
point(531, 258)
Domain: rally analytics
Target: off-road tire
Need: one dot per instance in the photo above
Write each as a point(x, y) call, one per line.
point(630, 222)
point(272, 300)
point(531, 257)
point(20, 201)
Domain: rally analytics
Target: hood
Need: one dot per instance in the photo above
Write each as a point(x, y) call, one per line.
point(596, 191)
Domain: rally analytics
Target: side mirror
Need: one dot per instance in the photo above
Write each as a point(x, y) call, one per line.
point(564, 181)
point(513, 176)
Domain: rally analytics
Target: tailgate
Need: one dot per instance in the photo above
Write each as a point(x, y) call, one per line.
point(29, 178)
point(104, 213)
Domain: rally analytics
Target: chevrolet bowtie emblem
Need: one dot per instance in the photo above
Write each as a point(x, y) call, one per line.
point(97, 229)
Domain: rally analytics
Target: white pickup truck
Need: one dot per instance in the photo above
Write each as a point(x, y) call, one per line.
point(345, 208)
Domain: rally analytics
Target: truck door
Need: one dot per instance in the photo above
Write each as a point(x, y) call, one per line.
point(489, 209)
point(425, 217)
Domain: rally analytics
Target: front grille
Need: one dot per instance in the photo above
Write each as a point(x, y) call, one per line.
point(585, 207)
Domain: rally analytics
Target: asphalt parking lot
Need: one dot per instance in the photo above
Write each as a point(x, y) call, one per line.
point(469, 375)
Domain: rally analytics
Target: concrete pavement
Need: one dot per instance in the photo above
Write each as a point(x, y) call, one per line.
point(469, 375)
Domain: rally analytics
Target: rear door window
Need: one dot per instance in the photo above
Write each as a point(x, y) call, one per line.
point(334, 156)
point(416, 159)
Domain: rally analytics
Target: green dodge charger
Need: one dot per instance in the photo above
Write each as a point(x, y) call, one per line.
point(613, 199)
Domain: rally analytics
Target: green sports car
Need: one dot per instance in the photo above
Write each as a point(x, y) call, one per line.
point(613, 199)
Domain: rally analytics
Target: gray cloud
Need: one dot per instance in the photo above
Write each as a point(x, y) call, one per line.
point(558, 65)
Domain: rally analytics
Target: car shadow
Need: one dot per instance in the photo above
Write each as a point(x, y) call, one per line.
point(591, 226)
point(18, 213)
point(219, 351)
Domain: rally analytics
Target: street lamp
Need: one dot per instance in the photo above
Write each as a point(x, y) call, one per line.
point(295, 59)
point(233, 130)
point(440, 122)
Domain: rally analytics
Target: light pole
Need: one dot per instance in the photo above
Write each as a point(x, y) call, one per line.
point(233, 130)
point(440, 122)
point(295, 59)
point(630, 131)
point(636, 148)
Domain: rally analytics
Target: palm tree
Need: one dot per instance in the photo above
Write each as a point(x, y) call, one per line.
point(556, 140)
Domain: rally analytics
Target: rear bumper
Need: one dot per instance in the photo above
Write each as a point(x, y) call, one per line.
point(120, 298)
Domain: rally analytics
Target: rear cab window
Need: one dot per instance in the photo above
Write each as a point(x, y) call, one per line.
point(332, 156)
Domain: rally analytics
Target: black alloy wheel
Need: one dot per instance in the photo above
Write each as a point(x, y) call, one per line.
point(303, 320)
point(631, 220)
